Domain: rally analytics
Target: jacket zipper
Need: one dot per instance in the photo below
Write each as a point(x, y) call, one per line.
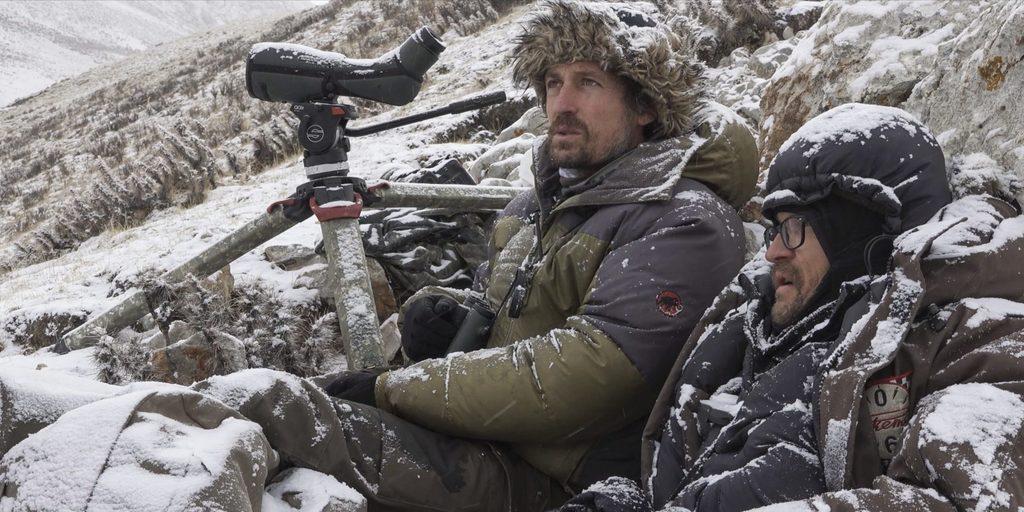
point(523, 279)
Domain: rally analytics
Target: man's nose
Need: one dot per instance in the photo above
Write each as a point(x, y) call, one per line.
point(777, 251)
point(564, 101)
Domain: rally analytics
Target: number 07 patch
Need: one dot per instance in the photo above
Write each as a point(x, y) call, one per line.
point(889, 404)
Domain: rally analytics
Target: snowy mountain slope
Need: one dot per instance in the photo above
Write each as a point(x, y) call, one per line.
point(161, 128)
point(42, 42)
point(88, 279)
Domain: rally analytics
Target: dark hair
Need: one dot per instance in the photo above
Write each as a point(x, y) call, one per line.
point(638, 102)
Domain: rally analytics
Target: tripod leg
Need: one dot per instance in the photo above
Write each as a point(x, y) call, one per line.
point(353, 295)
point(214, 258)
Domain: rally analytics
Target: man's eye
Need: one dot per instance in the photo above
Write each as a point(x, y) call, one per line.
point(590, 82)
point(551, 84)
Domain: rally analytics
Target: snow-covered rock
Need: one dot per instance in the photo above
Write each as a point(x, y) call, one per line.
point(740, 79)
point(972, 100)
point(867, 52)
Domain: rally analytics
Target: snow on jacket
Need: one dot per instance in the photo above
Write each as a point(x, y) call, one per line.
point(595, 294)
point(877, 365)
point(927, 374)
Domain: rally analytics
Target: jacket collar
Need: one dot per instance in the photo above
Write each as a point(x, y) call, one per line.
point(647, 173)
point(961, 253)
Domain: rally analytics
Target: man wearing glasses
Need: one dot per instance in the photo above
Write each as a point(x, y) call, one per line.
point(872, 360)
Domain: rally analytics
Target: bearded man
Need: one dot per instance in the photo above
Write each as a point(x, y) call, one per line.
point(596, 276)
point(872, 360)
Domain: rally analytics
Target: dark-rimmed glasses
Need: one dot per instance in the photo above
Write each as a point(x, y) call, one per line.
point(791, 229)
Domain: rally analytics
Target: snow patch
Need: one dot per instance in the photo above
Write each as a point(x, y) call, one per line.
point(852, 122)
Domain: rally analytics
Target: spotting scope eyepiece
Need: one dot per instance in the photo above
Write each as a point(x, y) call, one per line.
point(293, 73)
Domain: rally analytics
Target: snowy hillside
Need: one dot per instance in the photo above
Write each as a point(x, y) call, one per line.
point(160, 129)
point(116, 175)
point(42, 42)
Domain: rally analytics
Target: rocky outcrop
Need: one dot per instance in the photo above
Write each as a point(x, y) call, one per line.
point(865, 52)
point(972, 101)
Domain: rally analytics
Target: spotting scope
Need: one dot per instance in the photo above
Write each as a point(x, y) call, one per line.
point(293, 73)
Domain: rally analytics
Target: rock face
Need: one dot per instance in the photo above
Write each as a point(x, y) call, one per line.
point(32, 332)
point(972, 101)
point(864, 52)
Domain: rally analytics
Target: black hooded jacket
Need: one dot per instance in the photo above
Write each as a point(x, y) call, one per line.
point(756, 386)
point(879, 158)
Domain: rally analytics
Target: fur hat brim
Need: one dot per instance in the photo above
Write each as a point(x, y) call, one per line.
point(625, 42)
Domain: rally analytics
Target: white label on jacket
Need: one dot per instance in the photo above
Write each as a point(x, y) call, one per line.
point(889, 404)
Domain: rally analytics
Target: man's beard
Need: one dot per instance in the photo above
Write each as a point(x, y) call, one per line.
point(582, 153)
point(785, 314)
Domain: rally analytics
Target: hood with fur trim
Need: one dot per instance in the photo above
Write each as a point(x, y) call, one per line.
point(626, 40)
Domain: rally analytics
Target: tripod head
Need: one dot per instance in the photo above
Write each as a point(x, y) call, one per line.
point(311, 79)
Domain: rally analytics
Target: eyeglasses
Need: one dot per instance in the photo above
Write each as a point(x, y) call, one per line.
point(791, 229)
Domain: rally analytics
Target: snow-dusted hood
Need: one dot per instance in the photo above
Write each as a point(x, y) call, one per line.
point(627, 40)
point(880, 157)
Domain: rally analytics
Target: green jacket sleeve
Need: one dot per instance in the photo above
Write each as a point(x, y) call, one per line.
point(601, 369)
point(536, 390)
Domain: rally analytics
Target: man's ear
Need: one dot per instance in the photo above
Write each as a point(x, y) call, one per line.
point(645, 118)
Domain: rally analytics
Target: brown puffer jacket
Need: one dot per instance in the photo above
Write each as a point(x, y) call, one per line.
point(922, 401)
point(607, 284)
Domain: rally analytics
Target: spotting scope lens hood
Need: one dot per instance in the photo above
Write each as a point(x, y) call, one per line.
point(293, 73)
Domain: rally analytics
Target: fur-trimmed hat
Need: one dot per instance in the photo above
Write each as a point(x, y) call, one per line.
point(626, 41)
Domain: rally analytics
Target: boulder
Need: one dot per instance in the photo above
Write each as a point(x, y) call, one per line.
point(290, 257)
point(532, 122)
point(740, 79)
point(231, 354)
point(221, 284)
point(33, 330)
point(315, 278)
point(865, 52)
point(187, 361)
point(972, 100)
point(502, 160)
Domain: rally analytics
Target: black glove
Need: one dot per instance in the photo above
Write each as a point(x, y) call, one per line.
point(356, 386)
point(429, 325)
point(615, 494)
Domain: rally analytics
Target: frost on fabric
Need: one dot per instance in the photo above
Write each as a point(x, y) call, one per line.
point(170, 460)
point(44, 396)
point(621, 491)
point(986, 419)
point(784, 195)
point(833, 458)
point(236, 389)
point(313, 490)
point(969, 226)
point(890, 332)
point(852, 122)
point(990, 309)
point(51, 477)
point(174, 462)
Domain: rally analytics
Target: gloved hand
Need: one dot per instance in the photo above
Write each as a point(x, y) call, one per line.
point(615, 494)
point(356, 386)
point(429, 325)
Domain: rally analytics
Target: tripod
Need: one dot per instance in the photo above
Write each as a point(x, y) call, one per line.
point(336, 199)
